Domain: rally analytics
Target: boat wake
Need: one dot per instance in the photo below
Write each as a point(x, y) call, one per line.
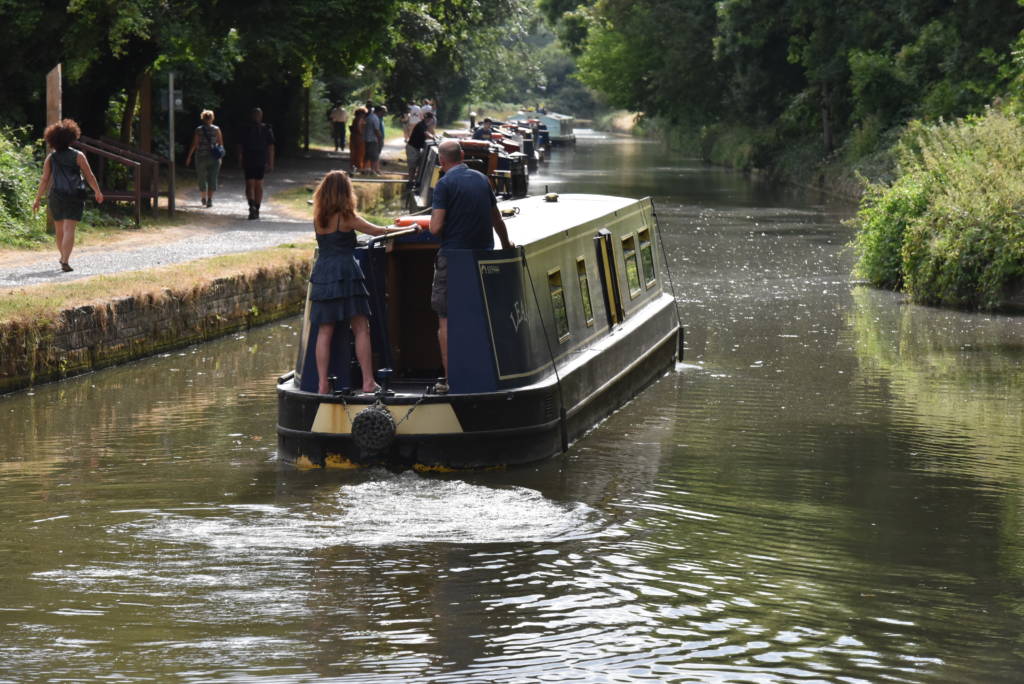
point(394, 509)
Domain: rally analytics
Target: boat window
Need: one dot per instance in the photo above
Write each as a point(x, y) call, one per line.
point(558, 304)
point(632, 265)
point(581, 275)
point(647, 257)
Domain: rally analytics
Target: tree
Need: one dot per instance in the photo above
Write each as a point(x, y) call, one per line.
point(443, 49)
point(654, 56)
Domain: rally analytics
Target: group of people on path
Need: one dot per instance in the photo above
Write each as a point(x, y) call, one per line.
point(366, 133)
point(67, 174)
point(366, 140)
point(256, 151)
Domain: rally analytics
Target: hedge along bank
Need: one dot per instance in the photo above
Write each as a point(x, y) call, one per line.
point(950, 231)
point(41, 342)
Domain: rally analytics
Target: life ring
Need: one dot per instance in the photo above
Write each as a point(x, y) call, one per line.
point(408, 221)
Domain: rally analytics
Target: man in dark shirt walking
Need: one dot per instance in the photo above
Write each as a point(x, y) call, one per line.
point(465, 214)
point(256, 157)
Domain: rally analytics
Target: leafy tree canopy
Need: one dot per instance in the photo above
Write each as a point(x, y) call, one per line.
point(797, 65)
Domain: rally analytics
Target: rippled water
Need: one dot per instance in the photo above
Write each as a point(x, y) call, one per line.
point(828, 489)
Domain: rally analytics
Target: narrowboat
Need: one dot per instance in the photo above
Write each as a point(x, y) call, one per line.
point(559, 126)
point(545, 339)
point(508, 172)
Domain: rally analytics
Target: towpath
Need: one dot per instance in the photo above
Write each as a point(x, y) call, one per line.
point(220, 229)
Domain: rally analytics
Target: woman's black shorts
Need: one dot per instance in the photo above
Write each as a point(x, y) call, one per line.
point(65, 207)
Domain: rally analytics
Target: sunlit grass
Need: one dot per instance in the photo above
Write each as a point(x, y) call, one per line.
point(47, 301)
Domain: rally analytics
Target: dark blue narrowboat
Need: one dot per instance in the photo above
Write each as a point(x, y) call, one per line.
point(544, 340)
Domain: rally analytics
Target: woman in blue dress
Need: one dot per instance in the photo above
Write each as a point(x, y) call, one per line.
point(338, 292)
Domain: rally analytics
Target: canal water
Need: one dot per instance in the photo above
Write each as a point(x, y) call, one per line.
point(829, 488)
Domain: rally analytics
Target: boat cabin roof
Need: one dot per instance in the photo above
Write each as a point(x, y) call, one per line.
point(538, 218)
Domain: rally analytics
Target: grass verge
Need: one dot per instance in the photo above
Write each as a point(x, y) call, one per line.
point(40, 303)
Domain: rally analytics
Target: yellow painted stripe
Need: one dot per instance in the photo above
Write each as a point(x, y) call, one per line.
point(426, 419)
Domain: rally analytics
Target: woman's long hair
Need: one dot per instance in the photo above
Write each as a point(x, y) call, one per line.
point(333, 195)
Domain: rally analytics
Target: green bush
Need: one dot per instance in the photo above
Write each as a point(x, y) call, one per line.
point(19, 178)
point(882, 220)
point(738, 146)
point(950, 230)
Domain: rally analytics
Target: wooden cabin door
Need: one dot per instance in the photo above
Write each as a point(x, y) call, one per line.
point(609, 277)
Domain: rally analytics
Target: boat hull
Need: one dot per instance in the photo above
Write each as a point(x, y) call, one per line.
point(495, 429)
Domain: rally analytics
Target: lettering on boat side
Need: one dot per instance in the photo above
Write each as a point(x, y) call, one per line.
point(518, 314)
point(508, 317)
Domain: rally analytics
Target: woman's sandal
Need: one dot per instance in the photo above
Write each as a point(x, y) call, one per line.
point(65, 266)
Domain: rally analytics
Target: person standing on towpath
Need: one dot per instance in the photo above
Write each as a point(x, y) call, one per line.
point(373, 139)
point(465, 214)
point(339, 120)
point(256, 157)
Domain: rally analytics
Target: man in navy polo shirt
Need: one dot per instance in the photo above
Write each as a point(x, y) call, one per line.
point(465, 214)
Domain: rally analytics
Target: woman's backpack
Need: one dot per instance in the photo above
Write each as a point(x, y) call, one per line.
point(67, 180)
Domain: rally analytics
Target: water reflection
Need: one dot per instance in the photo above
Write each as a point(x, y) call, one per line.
point(956, 376)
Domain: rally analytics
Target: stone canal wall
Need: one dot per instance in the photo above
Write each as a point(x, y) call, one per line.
point(98, 335)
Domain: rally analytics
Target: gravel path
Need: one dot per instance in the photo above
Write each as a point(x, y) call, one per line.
point(220, 229)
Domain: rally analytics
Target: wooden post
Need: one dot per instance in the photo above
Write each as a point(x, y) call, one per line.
point(150, 175)
point(54, 113)
point(53, 96)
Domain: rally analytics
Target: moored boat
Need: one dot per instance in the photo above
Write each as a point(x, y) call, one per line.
point(507, 171)
point(544, 340)
point(559, 127)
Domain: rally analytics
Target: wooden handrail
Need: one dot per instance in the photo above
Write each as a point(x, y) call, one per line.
point(138, 161)
point(153, 161)
point(134, 165)
point(87, 147)
point(127, 150)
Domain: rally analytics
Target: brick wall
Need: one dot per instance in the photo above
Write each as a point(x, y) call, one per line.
point(98, 335)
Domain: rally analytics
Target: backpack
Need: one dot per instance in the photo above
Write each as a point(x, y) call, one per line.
point(67, 180)
point(216, 151)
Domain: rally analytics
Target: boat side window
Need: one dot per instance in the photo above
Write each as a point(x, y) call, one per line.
point(581, 274)
point(647, 257)
point(632, 265)
point(558, 304)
